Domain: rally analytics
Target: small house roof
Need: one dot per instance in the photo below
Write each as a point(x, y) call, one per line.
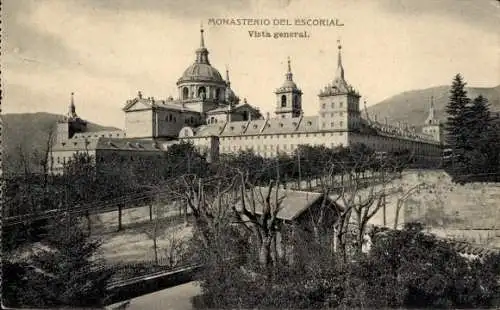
point(293, 203)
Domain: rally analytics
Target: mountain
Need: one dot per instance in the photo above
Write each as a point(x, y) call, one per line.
point(412, 106)
point(26, 135)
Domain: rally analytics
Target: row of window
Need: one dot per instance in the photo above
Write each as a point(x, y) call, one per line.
point(341, 114)
point(282, 136)
point(341, 105)
point(171, 118)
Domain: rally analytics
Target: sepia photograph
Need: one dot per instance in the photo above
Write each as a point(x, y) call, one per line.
point(250, 154)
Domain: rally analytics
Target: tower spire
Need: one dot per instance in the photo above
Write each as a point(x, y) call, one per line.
point(72, 108)
point(340, 68)
point(202, 52)
point(228, 82)
point(202, 39)
point(289, 75)
point(430, 118)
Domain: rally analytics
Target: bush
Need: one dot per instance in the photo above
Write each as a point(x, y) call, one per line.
point(411, 269)
point(404, 269)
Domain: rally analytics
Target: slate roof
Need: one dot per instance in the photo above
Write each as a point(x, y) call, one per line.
point(104, 143)
point(261, 126)
point(292, 206)
point(162, 104)
point(98, 134)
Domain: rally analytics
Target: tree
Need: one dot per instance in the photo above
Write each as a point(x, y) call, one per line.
point(456, 123)
point(66, 271)
point(482, 149)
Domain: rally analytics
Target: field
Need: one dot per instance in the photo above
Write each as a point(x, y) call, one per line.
point(134, 243)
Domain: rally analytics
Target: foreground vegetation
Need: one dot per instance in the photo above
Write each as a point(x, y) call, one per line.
point(404, 268)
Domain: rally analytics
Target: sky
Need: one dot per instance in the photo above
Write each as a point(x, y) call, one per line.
point(106, 50)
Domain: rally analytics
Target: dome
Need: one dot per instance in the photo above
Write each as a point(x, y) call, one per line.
point(201, 72)
point(289, 84)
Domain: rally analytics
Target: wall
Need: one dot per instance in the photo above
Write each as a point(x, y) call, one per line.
point(60, 157)
point(139, 124)
point(268, 145)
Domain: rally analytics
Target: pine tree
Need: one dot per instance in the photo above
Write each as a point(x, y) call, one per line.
point(66, 272)
point(456, 124)
point(480, 128)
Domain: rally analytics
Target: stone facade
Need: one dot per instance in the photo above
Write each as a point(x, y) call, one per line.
point(208, 113)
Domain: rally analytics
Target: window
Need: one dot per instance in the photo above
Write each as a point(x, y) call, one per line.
point(333, 105)
point(341, 104)
point(341, 113)
point(202, 92)
point(323, 105)
point(217, 93)
point(332, 124)
point(331, 114)
point(283, 101)
point(341, 123)
point(185, 93)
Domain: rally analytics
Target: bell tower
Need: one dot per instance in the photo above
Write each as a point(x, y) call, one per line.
point(288, 97)
point(432, 125)
point(70, 124)
point(339, 102)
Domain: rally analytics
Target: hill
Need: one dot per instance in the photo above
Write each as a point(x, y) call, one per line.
point(25, 138)
point(413, 106)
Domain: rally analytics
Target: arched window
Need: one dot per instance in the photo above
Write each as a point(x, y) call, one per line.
point(217, 94)
point(185, 93)
point(170, 117)
point(202, 92)
point(283, 101)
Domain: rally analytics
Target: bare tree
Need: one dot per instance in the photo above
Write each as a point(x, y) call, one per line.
point(154, 231)
point(208, 201)
point(406, 194)
point(175, 248)
point(259, 213)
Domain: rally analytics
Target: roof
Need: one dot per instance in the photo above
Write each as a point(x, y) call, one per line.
point(201, 72)
point(262, 126)
point(105, 143)
point(98, 134)
point(294, 203)
point(305, 124)
point(149, 103)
